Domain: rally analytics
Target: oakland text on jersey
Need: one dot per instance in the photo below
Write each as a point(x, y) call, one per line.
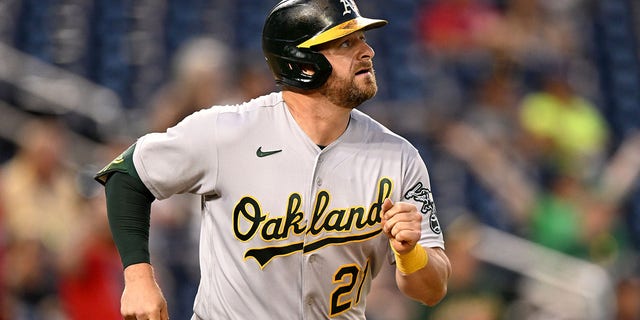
point(249, 221)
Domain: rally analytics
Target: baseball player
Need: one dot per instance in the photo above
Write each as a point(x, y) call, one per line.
point(304, 198)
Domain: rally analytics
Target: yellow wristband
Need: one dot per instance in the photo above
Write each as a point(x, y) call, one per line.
point(411, 261)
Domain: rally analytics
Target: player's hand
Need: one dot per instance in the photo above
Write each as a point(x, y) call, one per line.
point(401, 222)
point(142, 298)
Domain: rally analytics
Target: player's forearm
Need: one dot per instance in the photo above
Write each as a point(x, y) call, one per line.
point(429, 284)
point(128, 208)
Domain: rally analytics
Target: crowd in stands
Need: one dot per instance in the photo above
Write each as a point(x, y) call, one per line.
point(512, 104)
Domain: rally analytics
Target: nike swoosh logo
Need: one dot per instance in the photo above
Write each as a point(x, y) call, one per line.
point(261, 153)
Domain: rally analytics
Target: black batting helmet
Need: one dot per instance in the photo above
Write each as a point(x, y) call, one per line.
point(294, 27)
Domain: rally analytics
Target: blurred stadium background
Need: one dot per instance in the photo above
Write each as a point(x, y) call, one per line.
point(526, 112)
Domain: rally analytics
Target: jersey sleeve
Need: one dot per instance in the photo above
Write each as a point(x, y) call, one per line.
point(123, 163)
point(184, 159)
point(416, 189)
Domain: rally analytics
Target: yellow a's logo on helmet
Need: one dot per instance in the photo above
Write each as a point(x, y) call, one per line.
point(347, 7)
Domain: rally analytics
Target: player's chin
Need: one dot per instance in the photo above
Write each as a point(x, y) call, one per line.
point(370, 91)
point(367, 86)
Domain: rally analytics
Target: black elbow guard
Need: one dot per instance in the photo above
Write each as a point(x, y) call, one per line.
point(128, 208)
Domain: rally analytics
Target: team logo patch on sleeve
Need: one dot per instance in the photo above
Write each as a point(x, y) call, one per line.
point(434, 224)
point(423, 195)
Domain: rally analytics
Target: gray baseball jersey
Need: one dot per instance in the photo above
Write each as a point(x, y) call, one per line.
point(289, 230)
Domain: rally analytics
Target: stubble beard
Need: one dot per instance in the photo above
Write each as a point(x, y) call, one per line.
point(348, 93)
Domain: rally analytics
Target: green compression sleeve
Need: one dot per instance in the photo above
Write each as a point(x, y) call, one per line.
point(129, 210)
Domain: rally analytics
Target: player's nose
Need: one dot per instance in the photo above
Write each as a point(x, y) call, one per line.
point(366, 51)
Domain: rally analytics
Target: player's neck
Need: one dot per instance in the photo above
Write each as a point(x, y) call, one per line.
point(321, 120)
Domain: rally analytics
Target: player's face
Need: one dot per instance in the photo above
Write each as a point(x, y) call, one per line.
point(353, 79)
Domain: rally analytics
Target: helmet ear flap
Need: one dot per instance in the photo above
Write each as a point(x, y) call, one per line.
point(306, 68)
point(296, 67)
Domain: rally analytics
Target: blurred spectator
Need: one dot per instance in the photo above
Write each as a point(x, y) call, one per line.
point(571, 218)
point(557, 217)
point(200, 78)
point(39, 191)
point(40, 203)
point(566, 129)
